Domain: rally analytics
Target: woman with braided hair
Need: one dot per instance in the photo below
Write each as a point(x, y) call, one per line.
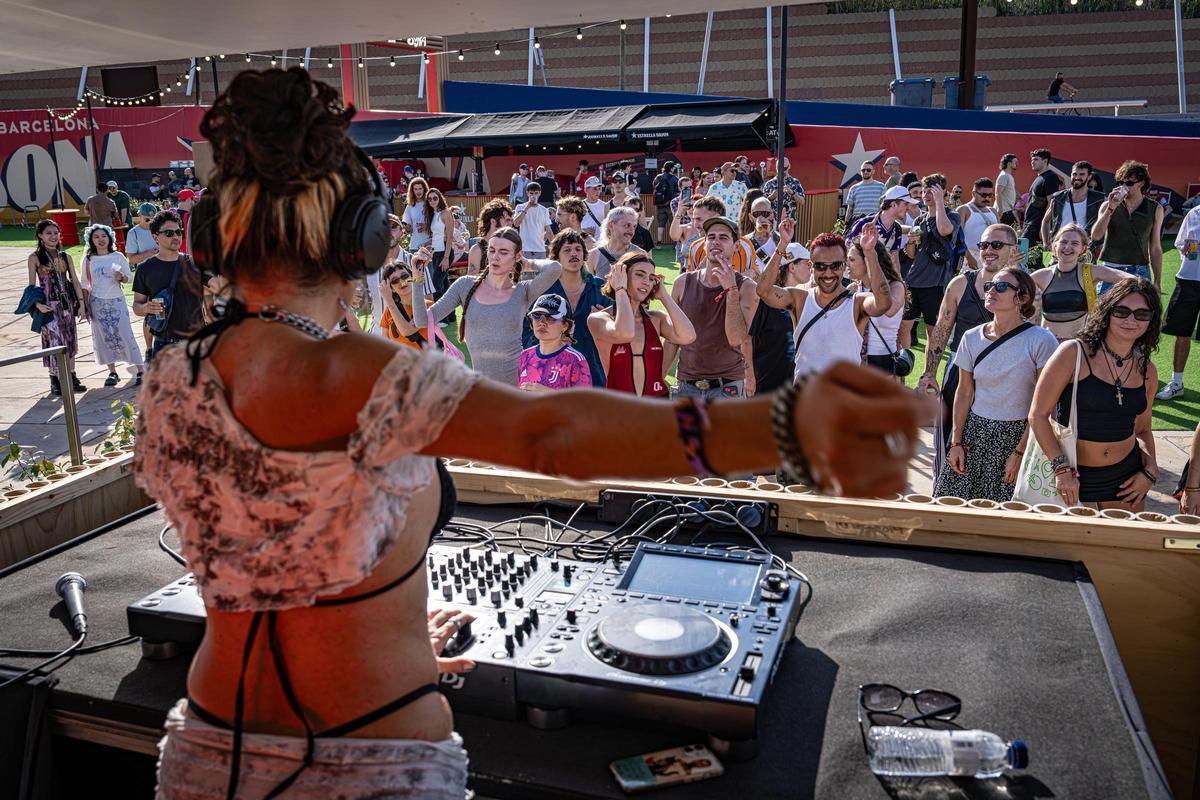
point(494, 304)
point(302, 471)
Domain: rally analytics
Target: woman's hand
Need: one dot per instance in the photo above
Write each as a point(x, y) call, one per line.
point(443, 624)
point(1067, 484)
point(858, 407)
point(659, 292)
point(1190, 502)
point(1134, 489)
point(956, 457)
point(42, 307)
point(618, 277)
point(868, 238)
point(1012, 466)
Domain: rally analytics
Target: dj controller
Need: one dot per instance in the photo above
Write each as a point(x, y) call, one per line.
point(683, 635)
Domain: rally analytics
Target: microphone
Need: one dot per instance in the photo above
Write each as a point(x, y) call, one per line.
point(70, 588)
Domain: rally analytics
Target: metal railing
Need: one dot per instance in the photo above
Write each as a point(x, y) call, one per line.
point(70, 417)
point(1115, 105)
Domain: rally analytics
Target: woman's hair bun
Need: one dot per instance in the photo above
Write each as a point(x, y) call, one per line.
point(280, 128)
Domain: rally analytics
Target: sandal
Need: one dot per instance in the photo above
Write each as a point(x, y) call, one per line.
point(112, 379)
point(138, 380)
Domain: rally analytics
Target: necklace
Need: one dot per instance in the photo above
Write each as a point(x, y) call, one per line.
point(1119, 377)
point(273, 313)
point(1119, 359)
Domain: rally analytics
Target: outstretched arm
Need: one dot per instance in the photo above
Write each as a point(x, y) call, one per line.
point(935, 348)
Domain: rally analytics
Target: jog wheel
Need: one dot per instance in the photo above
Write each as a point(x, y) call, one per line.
point(659, 640)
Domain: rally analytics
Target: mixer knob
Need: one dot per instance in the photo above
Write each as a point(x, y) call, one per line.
point(511, 558)
point(496, 600)
point(746, 672)
point(533, 561)
point(518, 634)
point(447, 592)
point(567, 570)
point(487, 556)
point(519, 601)
point(733, 620)
point(508, 643)
point(533, 617)
point(571, 616)
point(501, 618)
point(772, 612)
point(553, 564)
point(470, 594)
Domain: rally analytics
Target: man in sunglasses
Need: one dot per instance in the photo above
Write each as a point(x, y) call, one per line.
point(395, 253)
point(864, 196)
point(962, 309)
point(731, 191)
point(897, 202)
point(1078, 204)
point(935, 259)
point(184, 312)
point(1130, 226)
point(764, 238)
point(977, 216)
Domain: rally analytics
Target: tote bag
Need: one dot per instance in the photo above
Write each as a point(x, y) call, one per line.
point(1035, 480)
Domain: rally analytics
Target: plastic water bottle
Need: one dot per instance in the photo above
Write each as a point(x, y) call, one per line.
point(922, 752)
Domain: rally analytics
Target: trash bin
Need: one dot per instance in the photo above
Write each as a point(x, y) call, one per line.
point(950, 84)
point(64, 218)
point(912, 92)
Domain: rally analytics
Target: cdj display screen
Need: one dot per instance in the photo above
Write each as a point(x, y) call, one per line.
point(699, 578)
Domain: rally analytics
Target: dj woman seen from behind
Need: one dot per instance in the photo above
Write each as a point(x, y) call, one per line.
point(307, 531)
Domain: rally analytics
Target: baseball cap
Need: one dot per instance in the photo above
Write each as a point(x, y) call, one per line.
point(726, 221)
point(797, 252)
point(523, 166)
point(591, 182)
point(187, 194)
point(898, 193)
point(147, 209)
point(618, 176)
point(552, 304)
point(113, 184)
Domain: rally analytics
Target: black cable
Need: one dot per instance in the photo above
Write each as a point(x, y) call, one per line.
point(13, 652)
point(166, 548)
point(62, 654)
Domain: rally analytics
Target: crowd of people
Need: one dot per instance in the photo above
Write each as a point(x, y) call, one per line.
point(562, 290)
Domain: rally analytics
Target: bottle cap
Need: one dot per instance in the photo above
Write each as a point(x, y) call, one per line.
point(1018, 754)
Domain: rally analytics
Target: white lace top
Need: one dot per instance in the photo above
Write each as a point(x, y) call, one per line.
point(271, 529)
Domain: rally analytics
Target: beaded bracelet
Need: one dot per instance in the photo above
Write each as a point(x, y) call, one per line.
point(793, 466)
point(691, 420)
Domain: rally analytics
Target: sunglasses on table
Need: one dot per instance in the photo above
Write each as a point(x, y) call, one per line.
point(999, 287)
point(882, 703)
point(828, 266)
point(170, 232)
point(994, 244)
point(1140, 314)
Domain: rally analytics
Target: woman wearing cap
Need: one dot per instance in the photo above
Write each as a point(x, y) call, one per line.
point(552, 363)
point(630, 335)
point(493, 303)
point(105, 270)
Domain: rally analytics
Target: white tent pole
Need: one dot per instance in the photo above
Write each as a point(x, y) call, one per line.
point(704, 55)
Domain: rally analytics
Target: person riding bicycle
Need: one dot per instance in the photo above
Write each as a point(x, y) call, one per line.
point(1054, 93)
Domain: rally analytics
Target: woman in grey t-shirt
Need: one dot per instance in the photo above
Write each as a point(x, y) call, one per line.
point(494, 304)
point(999, 363)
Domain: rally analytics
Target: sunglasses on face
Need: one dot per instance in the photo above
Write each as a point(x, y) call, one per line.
point(1140, 314)
point(394, 226)
point(867, 171)
point(986, 195)
point(828, 266)
point(170, 232)
point(999, 287)
point(400, 280)
point(994, 245)
point(540, 316)
point(1132, 183)
point(761, 214)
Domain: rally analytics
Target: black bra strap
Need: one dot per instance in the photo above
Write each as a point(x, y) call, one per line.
point(201, 343)
point(379, 713)
point(341, 601)
point(235, 762)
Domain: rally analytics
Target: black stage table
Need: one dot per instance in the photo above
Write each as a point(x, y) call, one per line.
point(1023, 642)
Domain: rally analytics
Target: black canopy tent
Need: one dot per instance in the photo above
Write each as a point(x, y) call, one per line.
point(707, 125)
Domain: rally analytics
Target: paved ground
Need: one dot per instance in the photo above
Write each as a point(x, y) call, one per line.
point(31, 417)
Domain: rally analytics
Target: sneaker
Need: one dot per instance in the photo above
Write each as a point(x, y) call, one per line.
point(138, 380)
point(1170, 391)
point(112, 379)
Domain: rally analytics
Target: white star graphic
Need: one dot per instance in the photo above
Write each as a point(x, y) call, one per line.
point(852, 162)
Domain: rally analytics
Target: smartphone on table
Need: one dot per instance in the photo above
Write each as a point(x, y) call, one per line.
point(663, 768)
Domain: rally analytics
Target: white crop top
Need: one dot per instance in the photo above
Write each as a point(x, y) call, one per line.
point(267, 529)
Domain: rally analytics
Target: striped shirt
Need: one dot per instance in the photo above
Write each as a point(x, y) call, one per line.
point(864, 197)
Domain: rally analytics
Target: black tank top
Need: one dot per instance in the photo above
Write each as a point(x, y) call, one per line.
point(971, 311)
point(774, 358)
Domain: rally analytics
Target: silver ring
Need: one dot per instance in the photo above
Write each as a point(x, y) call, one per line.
point(897, 444)
point(456, 622)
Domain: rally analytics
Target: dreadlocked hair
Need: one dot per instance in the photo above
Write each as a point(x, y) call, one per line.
point(511, 235)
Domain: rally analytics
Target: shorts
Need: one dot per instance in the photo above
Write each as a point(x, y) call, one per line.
point(1101, 484)
point(1183, 310)
point(729, 390)
point(1136, 270)
point(884, 362)
point(662, 215)
point(924, 303)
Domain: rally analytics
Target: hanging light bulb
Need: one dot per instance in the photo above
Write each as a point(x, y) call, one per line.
point(208, 58)
point(460, 55)
point(329, 63)
point(360, 62)
point(392, 61)
point(425, 60)
point(222, 56)
point(537, 42)
point(273, 61)
point(178, 82)
point(624, 26)
point(247, 58)
point(497, 48)
point(579, 34)
point(168, 88)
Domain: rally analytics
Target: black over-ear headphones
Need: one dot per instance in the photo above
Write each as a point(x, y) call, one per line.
point(359, 233)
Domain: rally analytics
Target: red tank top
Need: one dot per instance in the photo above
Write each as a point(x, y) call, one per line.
point(620, 364)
